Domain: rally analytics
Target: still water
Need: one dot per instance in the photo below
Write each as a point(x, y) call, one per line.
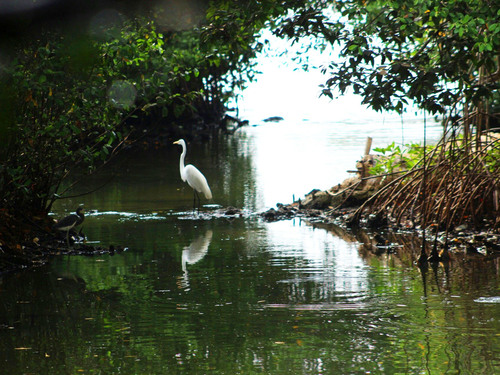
point(197, 294)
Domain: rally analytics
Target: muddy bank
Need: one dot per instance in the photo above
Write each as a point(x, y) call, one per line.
point(30, 243)
point(378, 232)
point(340, 205)
point(27, 242)
point(43, 247)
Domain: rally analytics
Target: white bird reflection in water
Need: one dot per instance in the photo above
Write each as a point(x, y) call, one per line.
point(194, 253)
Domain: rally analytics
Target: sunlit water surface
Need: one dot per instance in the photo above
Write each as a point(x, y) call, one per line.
point(199, 294)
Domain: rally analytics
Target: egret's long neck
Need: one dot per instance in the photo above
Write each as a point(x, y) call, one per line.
point(181, 163)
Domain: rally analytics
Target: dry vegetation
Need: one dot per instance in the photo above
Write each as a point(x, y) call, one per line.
point(456, 183)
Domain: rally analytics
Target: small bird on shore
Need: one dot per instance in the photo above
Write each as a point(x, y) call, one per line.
point(193, 176)
point(69, 222)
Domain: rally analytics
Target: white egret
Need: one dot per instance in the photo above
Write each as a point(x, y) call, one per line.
point(69, 222)
point(193, 176)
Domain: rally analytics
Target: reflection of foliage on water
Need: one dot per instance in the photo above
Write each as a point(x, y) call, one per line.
point(236, 172)
point(149, 180)
point(248, 309)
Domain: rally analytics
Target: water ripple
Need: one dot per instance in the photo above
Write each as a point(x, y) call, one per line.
point(495, 299)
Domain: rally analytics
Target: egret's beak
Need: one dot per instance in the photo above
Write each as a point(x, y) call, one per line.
point(176, 143)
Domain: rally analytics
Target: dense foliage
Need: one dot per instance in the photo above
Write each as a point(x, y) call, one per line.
point(74, 99)
point(430, 52)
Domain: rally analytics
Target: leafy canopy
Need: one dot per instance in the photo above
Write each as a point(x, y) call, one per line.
point(434, 53)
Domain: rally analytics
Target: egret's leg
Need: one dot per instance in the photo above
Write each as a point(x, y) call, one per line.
point(196, 195)
point(194, 200)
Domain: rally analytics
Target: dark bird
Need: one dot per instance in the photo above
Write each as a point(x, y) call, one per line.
point(69, 222)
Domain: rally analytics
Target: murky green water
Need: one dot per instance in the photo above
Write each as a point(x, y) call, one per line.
point(204, 294)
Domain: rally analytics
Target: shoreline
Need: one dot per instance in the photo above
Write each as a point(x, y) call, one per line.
point(375, 236)
point(462, 240)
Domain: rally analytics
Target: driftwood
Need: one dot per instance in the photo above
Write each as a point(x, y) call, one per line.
point(352, 191)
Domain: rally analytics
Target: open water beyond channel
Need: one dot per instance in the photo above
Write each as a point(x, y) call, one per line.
point(208, 294)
